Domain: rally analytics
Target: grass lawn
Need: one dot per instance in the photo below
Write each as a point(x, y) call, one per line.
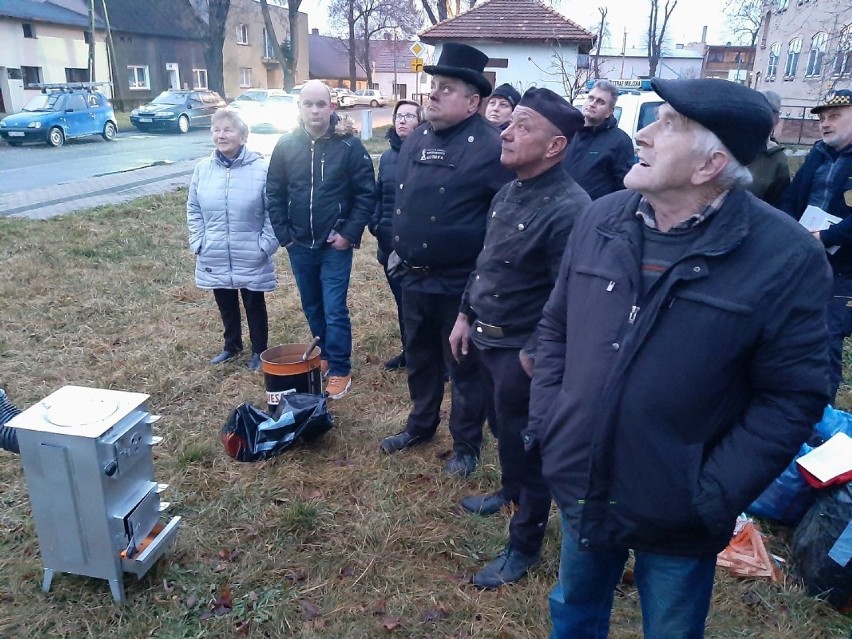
point(332, 540)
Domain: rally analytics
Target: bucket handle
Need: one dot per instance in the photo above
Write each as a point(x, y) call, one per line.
point(310, 349)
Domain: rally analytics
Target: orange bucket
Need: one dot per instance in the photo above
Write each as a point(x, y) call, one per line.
point(284, 371)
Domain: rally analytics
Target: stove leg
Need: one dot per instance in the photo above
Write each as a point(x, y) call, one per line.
point(116, 586)
point(48, 577)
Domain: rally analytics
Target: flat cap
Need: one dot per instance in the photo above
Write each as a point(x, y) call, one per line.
point(740, 117)
point(843, 97)
point(555, 108)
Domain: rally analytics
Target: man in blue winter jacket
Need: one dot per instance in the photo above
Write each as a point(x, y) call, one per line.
point(320, 187)
point(681, 362)
point(825, 181)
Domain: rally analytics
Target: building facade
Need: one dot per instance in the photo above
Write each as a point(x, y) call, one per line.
point(46, 42)
point(804, 51)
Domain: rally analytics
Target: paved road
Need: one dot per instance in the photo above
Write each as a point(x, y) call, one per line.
point(40, 182)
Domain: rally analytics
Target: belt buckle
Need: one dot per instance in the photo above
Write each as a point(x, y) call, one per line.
point(489, 329)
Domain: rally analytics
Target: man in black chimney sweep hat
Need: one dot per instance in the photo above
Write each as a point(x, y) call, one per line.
point(449, 170)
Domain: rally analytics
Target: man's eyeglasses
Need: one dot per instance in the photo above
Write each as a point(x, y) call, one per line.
point(309, 104)
point(405, 117)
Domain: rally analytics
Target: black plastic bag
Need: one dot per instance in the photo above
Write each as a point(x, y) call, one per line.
point(822, 547)
point(251, 434)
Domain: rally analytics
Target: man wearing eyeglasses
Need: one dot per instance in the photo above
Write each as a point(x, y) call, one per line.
point(320, 187)
point(448, 171)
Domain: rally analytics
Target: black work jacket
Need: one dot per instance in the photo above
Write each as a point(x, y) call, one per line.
point(660, 419)
point(599, 157)
point(446, 181)
point(314, 186)
point(528, 227)
point(386, 187)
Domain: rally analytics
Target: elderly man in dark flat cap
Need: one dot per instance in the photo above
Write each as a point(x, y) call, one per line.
point(528, 225)
point(681, 362)
point(824, 182)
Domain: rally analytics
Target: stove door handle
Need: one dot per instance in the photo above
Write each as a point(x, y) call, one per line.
point(111, 468)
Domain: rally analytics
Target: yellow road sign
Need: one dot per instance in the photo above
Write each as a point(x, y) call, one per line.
point(417, 49)
point(416, 64)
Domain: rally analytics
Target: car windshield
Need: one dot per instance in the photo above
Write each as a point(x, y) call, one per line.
point(44, 102)
point(252, 96)
point(281, 100)
point(169, 98)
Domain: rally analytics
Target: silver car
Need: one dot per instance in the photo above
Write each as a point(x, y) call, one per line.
point(370, 97)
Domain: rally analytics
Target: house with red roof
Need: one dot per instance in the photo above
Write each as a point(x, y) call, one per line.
point(528, 43)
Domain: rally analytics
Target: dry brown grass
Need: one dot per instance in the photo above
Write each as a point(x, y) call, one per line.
point(333, 540)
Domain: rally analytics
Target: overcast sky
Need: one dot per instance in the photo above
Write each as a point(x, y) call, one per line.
point(687, 20)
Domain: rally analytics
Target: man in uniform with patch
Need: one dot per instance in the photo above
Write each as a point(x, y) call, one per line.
point(825, 182)
point(449, 170)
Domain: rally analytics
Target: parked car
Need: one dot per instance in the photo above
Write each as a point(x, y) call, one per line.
point(253, 97)
point(345, 98)
point(370, 97)
point(178, 110)
point(267, 122)
point(62, 112)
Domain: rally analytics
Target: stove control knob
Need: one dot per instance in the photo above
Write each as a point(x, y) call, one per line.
point(111, 468)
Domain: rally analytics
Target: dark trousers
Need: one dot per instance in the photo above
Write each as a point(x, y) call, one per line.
point(839, 327)
point(429, 319)
point(227, 299)
point(396, 289)
point(508, 390)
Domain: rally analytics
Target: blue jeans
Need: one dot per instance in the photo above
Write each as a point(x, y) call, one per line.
point(322, 276)
point(674, 591)
point(839, 327)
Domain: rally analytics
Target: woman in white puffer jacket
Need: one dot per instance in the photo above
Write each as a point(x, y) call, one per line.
point(230, 233)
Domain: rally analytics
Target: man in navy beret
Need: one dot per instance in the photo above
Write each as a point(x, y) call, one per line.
point(824, 182)
point(529, 222)
point(681, 362)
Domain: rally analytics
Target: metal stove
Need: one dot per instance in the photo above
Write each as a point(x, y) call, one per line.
point(87, 460)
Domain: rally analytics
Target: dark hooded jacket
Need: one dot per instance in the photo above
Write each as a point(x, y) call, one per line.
point(661, 417)
point(314, 186)
point(599, 157)
point(382, 223)
point(770, 174)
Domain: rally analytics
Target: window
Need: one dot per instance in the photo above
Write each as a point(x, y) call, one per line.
point(793, 50)
point(268, 50)
point(76, 102)
point(199, 78)
point(816, 54)
point(138, 77)
point(715, 55)
point(245, 77)
point(843, 58)
point(774, 55)
point(87, 37)
point(242, 34)
point(29, 30)
point(76, 75)
point(32, 76)
point(782, 4)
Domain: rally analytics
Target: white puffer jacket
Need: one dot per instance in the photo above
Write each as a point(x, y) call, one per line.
point(229, 228)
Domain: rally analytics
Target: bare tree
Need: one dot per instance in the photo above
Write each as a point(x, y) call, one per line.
point(599, 38)
point(214, 13)
point(657, 32)
point(364, 20)
point(744, 18)
point(571, 75)
point(281, 54)
point(293, 16)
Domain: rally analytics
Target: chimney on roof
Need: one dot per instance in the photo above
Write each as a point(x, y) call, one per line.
point(704, 34)
point(314, 31)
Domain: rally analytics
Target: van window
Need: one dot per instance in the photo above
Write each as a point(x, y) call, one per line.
point(647, 114)
point(617, 113)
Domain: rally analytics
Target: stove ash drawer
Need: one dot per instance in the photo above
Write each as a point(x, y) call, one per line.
point(140, 521)
point(150, 549)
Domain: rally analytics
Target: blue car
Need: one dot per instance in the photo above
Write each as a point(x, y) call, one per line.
point(62, 112)
point(177, 110)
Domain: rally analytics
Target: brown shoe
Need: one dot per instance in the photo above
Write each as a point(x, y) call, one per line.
point(338, 385)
